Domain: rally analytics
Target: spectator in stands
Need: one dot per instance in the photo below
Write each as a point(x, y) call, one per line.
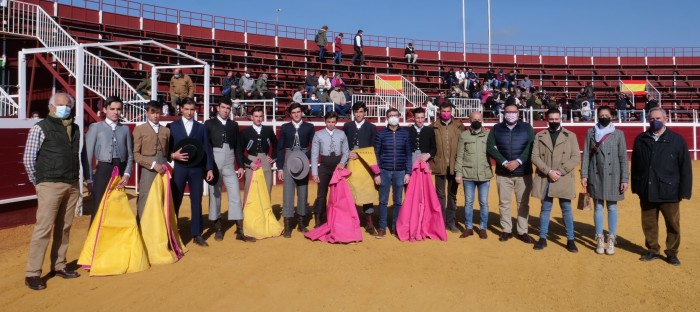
point(323, 87)
point(451, 77)
point(35, 115)
point(181, 89)
point(460, 75)
point(621, 105)
point(299, 95)
point(52, 165)
point(440, 99)
point(144, 87)
point(315, 110)
point(501, 79)
point(348, 96)
point(586, 111)
point(321, 41)
point(510, 80)
point(473, 89)
point(411, 55)
point(485, 94)
point(260, 90)
point(491, 78)
point(393, 148)
point(311, 82)
point(338, 59)
point(447, 131)
point(339, 102)
point(651, 103)
point(337, 81)
point(526, 84)
point(358, 46)
point(239, 107)
point(229, 86)
point(456, 90)
point(590, 96)
point(471, 75)
point(246, 86)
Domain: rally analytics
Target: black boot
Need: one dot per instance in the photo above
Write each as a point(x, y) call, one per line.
point(317, 220)
point(323, 218)
point(287, 228)
point(369, 226)
point(241, 235)
point(301, 227)
point(219, 236)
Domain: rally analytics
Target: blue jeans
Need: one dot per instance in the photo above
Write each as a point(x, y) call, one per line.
point(622, 115)
point(310, 90)
point(338, 58)
point(321, 53)
point(546, 212)
point(390, 180)
point(342, 109)
point(599, 218)
point(469, 188)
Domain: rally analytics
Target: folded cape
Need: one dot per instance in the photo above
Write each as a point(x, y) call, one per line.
point(362, 179)
point(259, 221)
point(159, 223)
point(420, 216)
point(343, 224)
point(113, 245)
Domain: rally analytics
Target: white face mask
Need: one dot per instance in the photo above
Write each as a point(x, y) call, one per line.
point(247, 75)
point(393, 121)
point(511, 118)
point(62, 112)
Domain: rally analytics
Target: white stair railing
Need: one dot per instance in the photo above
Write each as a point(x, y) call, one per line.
point(464, 106)
point(409, 91)
point(655, 94)
point(8, 106)
point(390, 95)
point(377, 105)
point(413, 94)
point(26, 19)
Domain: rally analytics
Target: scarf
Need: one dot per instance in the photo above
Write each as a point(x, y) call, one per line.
point(68, 123)
point(600, 131)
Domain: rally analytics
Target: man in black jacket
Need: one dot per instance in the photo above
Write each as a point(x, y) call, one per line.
point(423, 138)
point(662, 177)
point(258, 142)
point(223, 134)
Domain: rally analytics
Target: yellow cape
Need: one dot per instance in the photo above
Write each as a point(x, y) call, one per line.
point(159, 223)
point(113, 245)
point(258, 219)
point(361, 180)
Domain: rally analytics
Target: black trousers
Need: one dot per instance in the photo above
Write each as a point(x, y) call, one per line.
point(325, 173)
point(100, 180)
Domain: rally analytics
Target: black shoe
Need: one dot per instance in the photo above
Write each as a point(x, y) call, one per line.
point(34, 282)
point(287, 233)
point(300, 224)
point(649, 256)
point(673, 260)
point(505, 237)
point(219, 236)
point(571, 246)
point(541, 244)
point(453, 228)
point(241, 235)
point(200, 241)
point(64, 274)
point(525, 238)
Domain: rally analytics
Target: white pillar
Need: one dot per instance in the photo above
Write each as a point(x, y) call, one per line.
point(207, 75)
point(22, 92)
point(154, 83)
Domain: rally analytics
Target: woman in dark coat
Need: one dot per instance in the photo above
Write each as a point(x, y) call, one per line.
point(605, 175)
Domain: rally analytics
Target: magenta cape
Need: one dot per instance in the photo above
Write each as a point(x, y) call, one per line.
point(343, 224)
point(420, 216)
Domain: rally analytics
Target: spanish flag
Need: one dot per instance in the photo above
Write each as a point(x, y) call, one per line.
point(388, 84)
point(636, 87)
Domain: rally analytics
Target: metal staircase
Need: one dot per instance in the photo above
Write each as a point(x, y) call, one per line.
point(8, 106)
point(409, 91)
point(24, 19)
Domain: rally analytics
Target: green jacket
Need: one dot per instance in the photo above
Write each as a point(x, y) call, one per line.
point(472, 163)
point(321, 38)
point(260, 85)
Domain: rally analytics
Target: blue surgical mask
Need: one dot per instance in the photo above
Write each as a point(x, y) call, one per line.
point(656, 125)
point(62, 112)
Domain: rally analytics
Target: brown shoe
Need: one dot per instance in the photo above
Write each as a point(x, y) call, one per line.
point(467, 233)
point(65, 274)
point(380, 234)
point(241, 235)
point(483, 234)
point(505, 237)
point(34, 282)
point(369, 226)
point(219, 235)
point(200, 241)
point(526, 238)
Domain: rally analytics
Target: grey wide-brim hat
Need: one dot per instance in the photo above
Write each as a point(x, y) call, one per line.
point(298, 164)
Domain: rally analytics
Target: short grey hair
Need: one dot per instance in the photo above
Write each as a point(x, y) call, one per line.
point(657, 109)
point(52, 100)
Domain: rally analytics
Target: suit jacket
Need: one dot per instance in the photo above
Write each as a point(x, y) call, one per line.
point(232, 137)
point(98, 142)
point(267, 143)
point(286, 140)
point(426, 139)
point(363, 137)
point(146, 143)
point(199, 132)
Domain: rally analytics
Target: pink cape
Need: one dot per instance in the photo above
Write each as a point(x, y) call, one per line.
point(343, 224)
point(420, 216)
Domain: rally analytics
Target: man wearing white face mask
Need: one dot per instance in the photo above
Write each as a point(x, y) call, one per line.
point(246, 86)
point(393, 148)
point(509, 143)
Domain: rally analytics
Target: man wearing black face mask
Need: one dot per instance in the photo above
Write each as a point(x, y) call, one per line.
point(662, 177)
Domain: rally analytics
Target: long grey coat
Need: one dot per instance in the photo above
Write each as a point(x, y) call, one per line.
point(606, 169)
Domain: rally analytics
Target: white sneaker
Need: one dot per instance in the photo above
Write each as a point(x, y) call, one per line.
point(610, 250)
point(600, 244)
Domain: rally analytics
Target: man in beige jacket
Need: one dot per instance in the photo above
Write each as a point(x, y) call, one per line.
point(447, 132)
point(181, 89)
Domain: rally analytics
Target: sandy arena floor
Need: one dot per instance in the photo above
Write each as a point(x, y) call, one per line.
point(296, 274)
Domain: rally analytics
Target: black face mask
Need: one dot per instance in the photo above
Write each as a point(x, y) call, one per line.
point(604, 121)
point(554, 126)
point(476, 125)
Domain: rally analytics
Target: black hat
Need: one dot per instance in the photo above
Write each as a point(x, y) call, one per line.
point(194, 149)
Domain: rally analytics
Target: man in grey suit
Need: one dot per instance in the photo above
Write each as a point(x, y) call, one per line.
point(109, 141)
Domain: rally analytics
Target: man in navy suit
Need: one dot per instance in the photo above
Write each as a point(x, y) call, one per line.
point(189, 173)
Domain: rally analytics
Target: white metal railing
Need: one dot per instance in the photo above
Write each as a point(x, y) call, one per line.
point(31, 20)
point(389, 94)
point(8, 106)
point(376, 106)
point(409, 91)
point(655, 94)
point(465, 106)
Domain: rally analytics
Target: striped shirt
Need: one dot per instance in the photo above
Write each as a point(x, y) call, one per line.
point(31, 149)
